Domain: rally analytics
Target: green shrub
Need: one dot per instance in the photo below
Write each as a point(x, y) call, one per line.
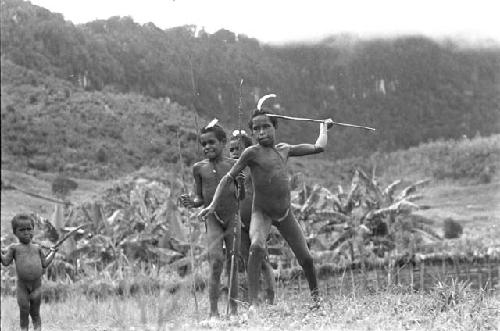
point(101, 155)
point(452, 229)
point(55, 291)
point(63, 185)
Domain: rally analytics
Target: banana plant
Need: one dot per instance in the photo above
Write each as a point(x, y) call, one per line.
point(367, 220)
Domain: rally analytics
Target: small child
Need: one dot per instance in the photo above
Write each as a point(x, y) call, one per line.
point(30, 262)
point(271, 202)
point(237, 144)
point(221, 223)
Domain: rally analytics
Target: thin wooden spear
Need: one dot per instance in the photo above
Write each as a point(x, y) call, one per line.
point(264, 98)
point(195, 98)
point(320, 121)
point(189, 227)
point(233, 253)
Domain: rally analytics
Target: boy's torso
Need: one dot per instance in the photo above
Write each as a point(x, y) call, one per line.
point(271, 182)
point(211, 174)
point(28, 262)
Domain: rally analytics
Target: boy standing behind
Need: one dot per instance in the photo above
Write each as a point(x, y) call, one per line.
point(30, 262)
point(237, 144)
point(220, 224)
point(271, 202)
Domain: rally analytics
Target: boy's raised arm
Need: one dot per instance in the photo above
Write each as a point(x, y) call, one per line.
point(317, 147)
point(8, 256)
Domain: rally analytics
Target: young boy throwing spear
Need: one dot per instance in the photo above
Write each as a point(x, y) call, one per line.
point(271, 203)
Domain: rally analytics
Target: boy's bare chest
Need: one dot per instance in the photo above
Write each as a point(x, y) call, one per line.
point(28, 263)
point(270, 160)
point(214, 171)
point(26, 252)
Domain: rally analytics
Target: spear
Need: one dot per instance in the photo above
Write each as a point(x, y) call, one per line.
point(63, 239)
point(320, 121)
point(191, 253)
point(264, 98)
point(66, 236)
point(195, 98)
point(240, 142)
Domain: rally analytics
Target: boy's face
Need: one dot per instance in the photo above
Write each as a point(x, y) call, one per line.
point(263, 130)
point(24, 231)
point(235, 148)
point(212, 147)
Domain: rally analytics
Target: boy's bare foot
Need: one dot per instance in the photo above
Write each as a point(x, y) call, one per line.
point(270, 297)
point(316, 303)
point(211, 321)
point(214, 315)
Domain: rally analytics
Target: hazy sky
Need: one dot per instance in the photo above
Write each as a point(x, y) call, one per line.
point(276, 21)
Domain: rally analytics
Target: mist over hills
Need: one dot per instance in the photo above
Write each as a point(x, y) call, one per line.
point(412, 89)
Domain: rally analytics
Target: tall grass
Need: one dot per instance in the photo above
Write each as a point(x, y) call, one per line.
point(393, 309)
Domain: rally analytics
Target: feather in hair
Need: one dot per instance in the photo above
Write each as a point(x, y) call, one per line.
point(212, 123)
point(264, 98)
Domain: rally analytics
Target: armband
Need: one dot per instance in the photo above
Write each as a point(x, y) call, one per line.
point(322, 138)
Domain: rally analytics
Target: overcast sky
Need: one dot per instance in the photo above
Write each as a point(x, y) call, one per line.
point(277, 21)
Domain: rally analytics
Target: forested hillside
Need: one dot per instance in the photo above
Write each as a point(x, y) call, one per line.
point(48, 124)
point(411, 89)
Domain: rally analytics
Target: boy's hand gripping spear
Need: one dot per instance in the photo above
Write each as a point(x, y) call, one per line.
point(233, 252)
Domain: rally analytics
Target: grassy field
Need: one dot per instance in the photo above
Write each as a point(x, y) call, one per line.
point(389, 310)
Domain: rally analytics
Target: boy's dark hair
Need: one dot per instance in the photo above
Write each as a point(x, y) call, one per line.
point(258, 112)
point(15, 220)
point(218, 130)
point(247, 141)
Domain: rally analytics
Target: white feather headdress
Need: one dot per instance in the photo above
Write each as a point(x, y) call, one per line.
point(212, 123)
point(264, 98)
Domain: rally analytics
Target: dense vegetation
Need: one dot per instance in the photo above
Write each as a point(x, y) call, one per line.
point(412, 89)
point(50, 125)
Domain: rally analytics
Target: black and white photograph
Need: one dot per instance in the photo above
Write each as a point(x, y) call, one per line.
point(250, 165)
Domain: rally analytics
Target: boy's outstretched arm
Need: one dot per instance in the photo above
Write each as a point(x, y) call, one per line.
point(8, 256)
point(47, 259)
point(318, 147)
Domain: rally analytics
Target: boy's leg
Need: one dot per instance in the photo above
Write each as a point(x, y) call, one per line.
point(291, 231)
point(23, 300)
point(35, 302)
point(244, 248)
point(215, 235)
point(229, 237)
point(259, 229)
point(269, 283)
point(243, 261)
